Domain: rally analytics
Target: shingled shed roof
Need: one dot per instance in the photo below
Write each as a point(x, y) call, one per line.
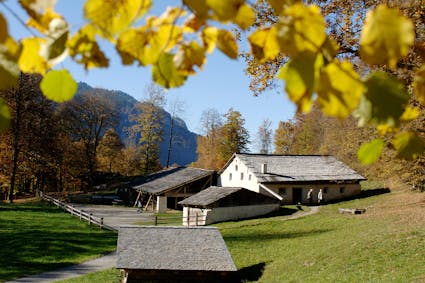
point(163, 181)
point(297, 168)
point(172, 248)
point(209, 196)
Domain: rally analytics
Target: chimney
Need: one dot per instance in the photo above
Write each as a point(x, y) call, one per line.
point(264, 168)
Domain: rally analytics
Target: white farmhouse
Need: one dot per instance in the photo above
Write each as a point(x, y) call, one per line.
point(290, 177)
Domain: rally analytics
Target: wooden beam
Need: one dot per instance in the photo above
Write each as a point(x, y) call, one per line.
point(147, 204)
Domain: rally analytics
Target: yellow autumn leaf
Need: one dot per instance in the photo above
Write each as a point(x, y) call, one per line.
point(164, 72)
point(131, 46)
point(9, 54)
point(43, 21)
point(410, 113)
point(279, 5)
point(169, 17)
point(339, 90)
point(264, 45)
point(163, 40)
point(419, 84)
point(227, 44)
point(192, 24)
point(245, 17)
point(41, 13)
point(225, 10)
point(301, 28)
point(209, 38)
point(199, 8)
point(3, 29)
point(58, 85)
point(113, 17)
point(408, 145)
point(301, 75)
point(84, 49)
point(188, 56)
point(386, 36)
point(30, 60)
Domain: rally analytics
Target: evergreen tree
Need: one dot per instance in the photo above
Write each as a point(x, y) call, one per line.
point(234, 135)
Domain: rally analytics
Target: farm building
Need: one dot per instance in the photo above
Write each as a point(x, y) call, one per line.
point(290, 177)
point(166, 188)
point(217, 204)
point(173, 254)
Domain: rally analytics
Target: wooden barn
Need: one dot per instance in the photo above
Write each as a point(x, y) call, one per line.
point(173, 254)
point(217, 204)
point(290, 177)
point(164, 189)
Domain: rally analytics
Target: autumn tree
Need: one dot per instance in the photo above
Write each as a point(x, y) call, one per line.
point(208, 143)
point(284, 137)
point(175, 108)
point(264, 136)
point(234, 135)
point(149, 124)
point(110, 150)
point(361, 58)
point(86, 118)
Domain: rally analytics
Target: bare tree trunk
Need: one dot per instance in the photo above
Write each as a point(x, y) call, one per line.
point(170, 142)
point(16, 133)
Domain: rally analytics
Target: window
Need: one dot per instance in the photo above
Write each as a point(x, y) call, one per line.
point(282, 191)
point(230, 176)
point(325, 190)
point(241, 176)
point(236, 167)
point(341, 190)
point(249, 177)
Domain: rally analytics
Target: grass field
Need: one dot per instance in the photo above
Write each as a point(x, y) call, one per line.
point(37, 237)
point(386, 244)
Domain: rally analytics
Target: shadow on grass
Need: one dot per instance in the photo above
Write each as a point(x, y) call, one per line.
point(41, 206)
point(363, 194)
point(250, 273)
point(261, 237)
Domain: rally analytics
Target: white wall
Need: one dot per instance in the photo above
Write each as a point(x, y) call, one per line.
point(236, 168)
point(219, 214)
point(161, 204)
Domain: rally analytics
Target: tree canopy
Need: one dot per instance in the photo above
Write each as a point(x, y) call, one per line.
point(350, 58)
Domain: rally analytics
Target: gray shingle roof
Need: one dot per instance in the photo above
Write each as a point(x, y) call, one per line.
point(209, 196)
point(166, 180)
point(299, 168)
point(172, 248)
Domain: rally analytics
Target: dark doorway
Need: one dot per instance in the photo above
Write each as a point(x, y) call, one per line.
point(297, 194)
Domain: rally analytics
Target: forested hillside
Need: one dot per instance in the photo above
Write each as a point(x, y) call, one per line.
point(184, 141)
point(67, 146)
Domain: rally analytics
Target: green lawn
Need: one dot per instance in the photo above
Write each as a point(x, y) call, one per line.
point(386, 244)
point(38, 237)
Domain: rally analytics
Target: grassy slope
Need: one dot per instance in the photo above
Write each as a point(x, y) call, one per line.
point(387, 244)
point(37, 237)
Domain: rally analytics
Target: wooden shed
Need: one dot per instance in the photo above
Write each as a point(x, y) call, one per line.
point(173, 254)
point(164, 189)
point(217, 204)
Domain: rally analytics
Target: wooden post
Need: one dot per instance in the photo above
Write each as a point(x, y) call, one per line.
point(156, 220)
point(90, 218)
point(81, 214)
point(101, 223)
point(196, 219)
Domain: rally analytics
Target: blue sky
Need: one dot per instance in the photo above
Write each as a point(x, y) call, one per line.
point(221, 84)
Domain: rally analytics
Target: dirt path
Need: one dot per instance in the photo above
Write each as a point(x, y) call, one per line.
point(313, 210)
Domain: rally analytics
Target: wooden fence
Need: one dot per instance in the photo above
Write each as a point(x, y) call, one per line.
point(79, 213)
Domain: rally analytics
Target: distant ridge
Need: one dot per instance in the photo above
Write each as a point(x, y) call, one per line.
point(184, 142)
